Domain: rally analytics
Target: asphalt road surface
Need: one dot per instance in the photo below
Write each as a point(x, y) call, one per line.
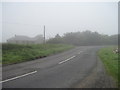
point(69, 69)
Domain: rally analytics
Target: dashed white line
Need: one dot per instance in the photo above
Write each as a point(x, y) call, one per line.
point(18, 77)
point(36, 71)
point(66, 60)
point(80, 52)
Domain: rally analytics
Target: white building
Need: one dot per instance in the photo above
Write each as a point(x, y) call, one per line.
point(20, 39)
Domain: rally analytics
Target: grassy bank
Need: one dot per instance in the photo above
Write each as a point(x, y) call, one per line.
point(110, 61)
point(0, 53)
point(12, 53)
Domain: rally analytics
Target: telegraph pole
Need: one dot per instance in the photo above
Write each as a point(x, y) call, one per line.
point(44, 34)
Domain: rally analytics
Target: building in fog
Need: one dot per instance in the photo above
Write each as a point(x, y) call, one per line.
point(20, 39)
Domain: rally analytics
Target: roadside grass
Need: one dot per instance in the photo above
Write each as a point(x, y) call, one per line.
point(110, 61)
point(14, 53)
point(0, 56)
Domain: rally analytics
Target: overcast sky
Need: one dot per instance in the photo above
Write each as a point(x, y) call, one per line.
point(28, 18)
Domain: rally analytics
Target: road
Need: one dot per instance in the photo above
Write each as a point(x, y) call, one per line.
point(68, 69)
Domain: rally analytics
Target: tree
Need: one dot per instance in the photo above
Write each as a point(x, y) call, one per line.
point(85, 38)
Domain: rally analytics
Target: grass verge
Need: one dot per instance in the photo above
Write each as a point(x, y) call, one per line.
point(13, 53)
point(110, 61)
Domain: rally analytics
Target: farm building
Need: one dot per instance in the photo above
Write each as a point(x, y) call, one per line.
point(20, 39)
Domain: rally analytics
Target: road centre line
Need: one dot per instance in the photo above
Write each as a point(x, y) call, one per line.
point(35, 71)
point(80, 52)
point(66, 60)
point(18, 77)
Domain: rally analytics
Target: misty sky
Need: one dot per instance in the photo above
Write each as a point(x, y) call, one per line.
point(28, 18)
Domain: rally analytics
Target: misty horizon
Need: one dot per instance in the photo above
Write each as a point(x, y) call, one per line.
point(54, 35)
point(28, 19)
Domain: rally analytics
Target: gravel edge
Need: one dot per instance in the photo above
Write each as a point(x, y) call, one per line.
point(98, 78)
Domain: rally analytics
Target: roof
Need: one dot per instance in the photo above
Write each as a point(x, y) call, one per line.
point(25, 38)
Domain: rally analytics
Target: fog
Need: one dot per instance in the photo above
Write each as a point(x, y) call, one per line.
point(28, 18)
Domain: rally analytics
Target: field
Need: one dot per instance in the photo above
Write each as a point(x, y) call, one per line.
point(110, 61)
point(13, 53)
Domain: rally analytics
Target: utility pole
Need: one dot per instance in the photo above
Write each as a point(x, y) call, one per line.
point(44, 34)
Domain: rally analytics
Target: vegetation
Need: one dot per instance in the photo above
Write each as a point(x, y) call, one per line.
point(13, 53)
point(0, 53)
point(85, 38)
point(110, 60)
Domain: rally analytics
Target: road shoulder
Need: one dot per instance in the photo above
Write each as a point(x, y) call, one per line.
point(98, 78)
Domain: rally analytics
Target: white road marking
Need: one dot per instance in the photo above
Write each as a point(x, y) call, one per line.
point(66, 60)
point(80, 52)
point(18, 77)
